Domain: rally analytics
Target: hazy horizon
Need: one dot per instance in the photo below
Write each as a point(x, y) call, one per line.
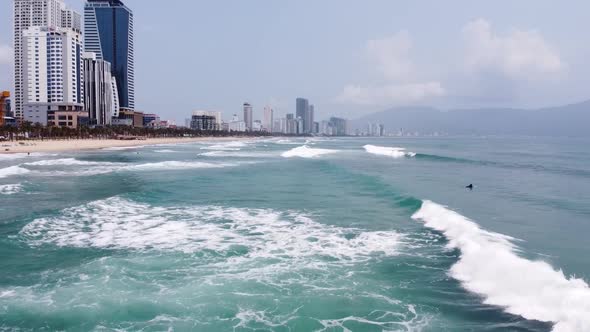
point(350, 58)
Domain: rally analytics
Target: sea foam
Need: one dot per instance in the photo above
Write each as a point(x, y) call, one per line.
point(307, 152)
point(13, 170)
point(489, 266)
point(68, 162)
point(389, 152)
point(228, 146)
point(118, 223)
point(10, 189)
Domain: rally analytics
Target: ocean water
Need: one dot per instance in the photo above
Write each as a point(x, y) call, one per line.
point(299, 235)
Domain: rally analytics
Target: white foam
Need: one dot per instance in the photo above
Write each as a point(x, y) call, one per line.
point(12, 170)
point(286, 142)
point(165, 151)
point(228, 146)
point(236, 154)
point(118, 223)
point(307, 152)
point(68, 162)
point(10, 189)
point(388, 151)
point(490, 266)
point(174, 165)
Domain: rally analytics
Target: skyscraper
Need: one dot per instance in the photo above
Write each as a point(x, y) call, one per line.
point(108, 32)
point(310, 120)
point(98, 90)
point(35, 13)
point(248, 117)
point(268, 119)
point(52, 72)
point(302, 112)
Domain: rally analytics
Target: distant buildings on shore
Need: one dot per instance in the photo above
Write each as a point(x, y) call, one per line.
point(72, 70)
point(299, 123)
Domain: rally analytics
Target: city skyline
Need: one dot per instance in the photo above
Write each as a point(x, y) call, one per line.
point(362, 67)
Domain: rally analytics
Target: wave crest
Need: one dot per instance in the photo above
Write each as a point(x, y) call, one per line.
point(388, 151)
point(489, 266)
point(307, 152)
point(12, 170)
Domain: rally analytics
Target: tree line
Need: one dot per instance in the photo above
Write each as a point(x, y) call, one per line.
point(29, 131)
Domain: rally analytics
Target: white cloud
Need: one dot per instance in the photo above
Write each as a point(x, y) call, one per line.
point(390, 58)
point(390, 55)
point(390, 94)
point(6, 55)
point(519, 54)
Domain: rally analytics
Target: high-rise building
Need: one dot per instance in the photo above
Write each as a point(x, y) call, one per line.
point(248, 117)
point(216, 123)
point(309, 120)
point(302, 112)
point(268, 122)
point(71, 19)
point(236, 124)
point(35, 13)
point(52, 70)
point(98, 90)
point(108, 32)
point(339, 126)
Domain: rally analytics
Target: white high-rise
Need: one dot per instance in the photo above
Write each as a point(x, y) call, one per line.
point(52, 72)
point(98, 90)
point(268, 119)
point(35, 13)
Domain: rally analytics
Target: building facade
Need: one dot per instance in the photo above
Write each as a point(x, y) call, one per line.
point(52, 70)
point(204, 122)
point(98, 90)
point(35, 13)
point(302, 112)
point(268, 122)
point(248, 117)
point(108, 32)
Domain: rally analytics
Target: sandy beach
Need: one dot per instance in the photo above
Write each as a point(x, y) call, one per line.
point(91, 144)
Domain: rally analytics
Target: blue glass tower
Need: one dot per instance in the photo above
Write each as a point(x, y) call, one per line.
point(108, 32)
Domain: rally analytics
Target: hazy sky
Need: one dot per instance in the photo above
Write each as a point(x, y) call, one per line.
point(351, 57)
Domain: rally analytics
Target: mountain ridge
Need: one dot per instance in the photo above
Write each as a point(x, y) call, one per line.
point(568, 120)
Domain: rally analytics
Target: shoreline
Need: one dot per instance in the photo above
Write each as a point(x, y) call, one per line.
point(97, 144)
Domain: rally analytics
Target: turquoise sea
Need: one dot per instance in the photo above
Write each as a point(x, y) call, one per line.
point(342, 234)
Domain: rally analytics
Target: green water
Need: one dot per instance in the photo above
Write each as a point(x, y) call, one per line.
point(236, 237)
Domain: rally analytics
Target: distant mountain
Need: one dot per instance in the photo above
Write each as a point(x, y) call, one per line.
point(569, 120)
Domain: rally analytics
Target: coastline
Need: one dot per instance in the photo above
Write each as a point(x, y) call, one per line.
point(97, 144)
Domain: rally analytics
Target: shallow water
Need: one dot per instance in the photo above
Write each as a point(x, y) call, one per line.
point(299, 235)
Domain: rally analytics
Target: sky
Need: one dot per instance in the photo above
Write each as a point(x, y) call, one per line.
point(350, 57)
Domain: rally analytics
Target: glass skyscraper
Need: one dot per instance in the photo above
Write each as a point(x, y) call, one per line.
point(108, 32)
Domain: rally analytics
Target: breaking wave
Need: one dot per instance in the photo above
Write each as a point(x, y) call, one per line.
point(307, 152)
point(389, 152)
point(489, 266)
point(118, 223)
point(229, 146)
point(13, 170)
point(68, 162)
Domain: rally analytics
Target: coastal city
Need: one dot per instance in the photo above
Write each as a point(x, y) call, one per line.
point(73, 70)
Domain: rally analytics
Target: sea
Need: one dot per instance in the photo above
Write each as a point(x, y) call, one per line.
point(299, 234)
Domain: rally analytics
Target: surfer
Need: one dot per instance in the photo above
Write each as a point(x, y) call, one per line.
point(470, 187)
